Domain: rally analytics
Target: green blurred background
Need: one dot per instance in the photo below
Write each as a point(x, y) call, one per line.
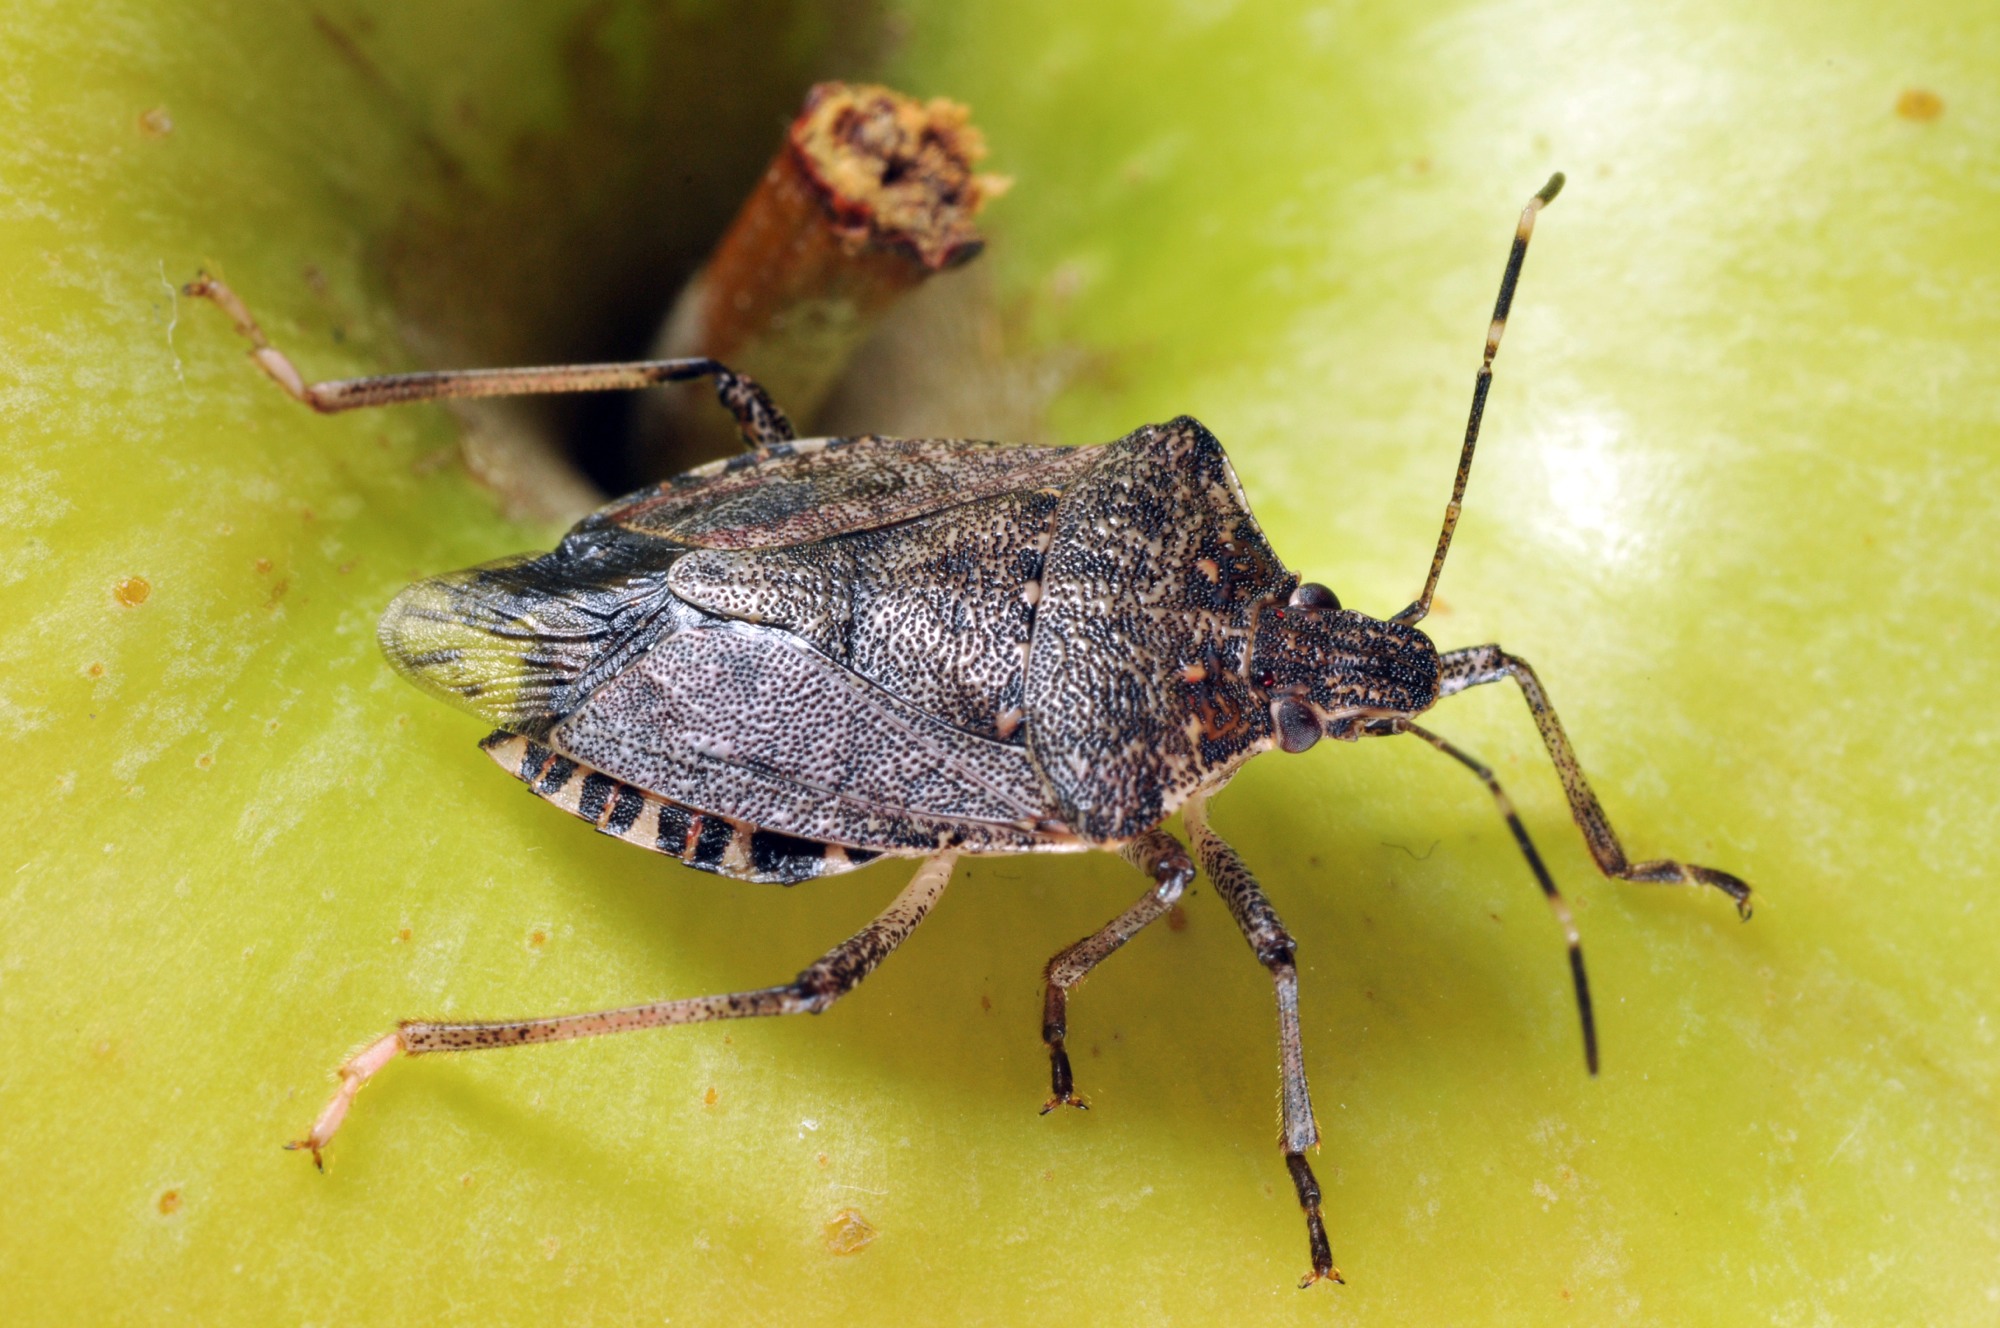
point(1736, 500)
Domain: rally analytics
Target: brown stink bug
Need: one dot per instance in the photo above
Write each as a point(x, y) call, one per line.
point(824, 651)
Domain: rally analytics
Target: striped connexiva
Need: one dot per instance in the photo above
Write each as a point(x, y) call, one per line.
point(712, 843)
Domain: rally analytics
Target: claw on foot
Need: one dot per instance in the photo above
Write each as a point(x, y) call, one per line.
point(205, 287)
point(1317, 1247)
point(359, 1069)
point(1735, 887)
point(1664, 871)
point(269, 358)
point(1062, 1085)
point(319, 1163)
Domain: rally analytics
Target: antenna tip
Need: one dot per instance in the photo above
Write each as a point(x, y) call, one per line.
point(1551, 189)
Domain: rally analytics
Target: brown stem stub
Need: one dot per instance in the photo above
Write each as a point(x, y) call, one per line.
point(871, 193)
point(894, 174)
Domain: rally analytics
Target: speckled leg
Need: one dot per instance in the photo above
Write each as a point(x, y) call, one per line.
point(1276, 951)
point(836, 973)
point(759, 419)
point(1476, 666)
point(1160, 856)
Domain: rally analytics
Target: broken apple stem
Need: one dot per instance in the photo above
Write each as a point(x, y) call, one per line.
point(872, 193)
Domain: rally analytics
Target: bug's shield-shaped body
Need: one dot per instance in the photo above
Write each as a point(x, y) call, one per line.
point(890, 646)
point(783, 665)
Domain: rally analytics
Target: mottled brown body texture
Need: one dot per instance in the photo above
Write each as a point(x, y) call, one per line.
point(782, 665)
point(900, 646)
point(938, 611)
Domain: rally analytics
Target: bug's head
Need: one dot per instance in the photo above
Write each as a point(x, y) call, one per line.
point(1327, 671)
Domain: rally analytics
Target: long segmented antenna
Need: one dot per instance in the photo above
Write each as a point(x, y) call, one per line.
point(1417, 611)
point(1557, 904)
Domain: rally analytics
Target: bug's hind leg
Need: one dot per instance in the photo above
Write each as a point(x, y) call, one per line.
point(1476, 666)
point(757, 417)
point(1161, 857)
point(1277, 952)
point(819, 985)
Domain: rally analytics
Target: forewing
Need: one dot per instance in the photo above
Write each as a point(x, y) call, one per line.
point(521, 642)
point(794, 493)
point(748, 722)
point(936, 610)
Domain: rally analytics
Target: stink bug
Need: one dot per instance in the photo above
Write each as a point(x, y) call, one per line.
point(823, 651)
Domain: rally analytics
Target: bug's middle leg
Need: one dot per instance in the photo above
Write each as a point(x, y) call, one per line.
point(1160, 856)
point(1277, 952)
point(819, 985)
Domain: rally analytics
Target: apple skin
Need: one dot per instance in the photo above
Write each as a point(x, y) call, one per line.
point(1734, 500)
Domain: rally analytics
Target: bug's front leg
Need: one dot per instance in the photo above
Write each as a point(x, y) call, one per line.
point(819, 985)
point(1476, 666)
point(1160, 856)
point(757, 416)
point(1277, 952)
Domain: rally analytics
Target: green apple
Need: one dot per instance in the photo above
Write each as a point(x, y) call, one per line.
point(1734, 499)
